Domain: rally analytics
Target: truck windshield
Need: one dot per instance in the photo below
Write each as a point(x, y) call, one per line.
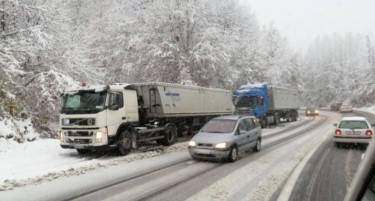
point(83, 102)
point(245, 101)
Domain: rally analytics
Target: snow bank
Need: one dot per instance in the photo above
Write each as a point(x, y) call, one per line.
point(44, 160)
point(18, 130)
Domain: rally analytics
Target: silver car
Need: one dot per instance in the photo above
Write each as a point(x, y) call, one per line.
point(224, 137)
point(311, 111)
point(353, 130)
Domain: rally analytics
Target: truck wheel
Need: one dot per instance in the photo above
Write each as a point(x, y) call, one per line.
point(263, 122)
point(124, 143)
point(258, 146)
point(170, 135)
point(233, 154)
point(276, 118)
point(295, 116)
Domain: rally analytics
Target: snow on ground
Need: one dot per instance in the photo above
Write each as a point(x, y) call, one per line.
point(367, 110)
point(44, 160)
point(17, 129)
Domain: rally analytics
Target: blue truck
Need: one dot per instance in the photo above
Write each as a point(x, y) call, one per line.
point(268, 104)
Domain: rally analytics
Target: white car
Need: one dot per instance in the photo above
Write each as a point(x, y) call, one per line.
point(346, 108)
point(355, 130)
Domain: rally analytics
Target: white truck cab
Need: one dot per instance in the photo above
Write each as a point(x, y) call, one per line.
point(91, 115)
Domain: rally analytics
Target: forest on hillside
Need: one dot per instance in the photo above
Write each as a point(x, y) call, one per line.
point(48, 45)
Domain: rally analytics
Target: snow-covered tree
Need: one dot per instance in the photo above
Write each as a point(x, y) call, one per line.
point(338, 68)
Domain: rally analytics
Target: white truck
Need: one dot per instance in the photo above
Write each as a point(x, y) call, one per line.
point(125, 116)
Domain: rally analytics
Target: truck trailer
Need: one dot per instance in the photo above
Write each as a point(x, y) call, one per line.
point(268, 104)
point(126, 116)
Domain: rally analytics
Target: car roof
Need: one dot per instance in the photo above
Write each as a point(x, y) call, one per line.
point(232, 117)
point(353, 119)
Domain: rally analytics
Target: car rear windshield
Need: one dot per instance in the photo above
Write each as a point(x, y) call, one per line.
point(353, 124)
point(219, 126)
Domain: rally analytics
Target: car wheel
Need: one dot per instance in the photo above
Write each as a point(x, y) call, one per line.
point(258, 145)
point(233, 155)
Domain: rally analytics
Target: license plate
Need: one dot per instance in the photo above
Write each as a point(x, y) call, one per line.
point(79, 146)
point(353, 132)
point(203, 151)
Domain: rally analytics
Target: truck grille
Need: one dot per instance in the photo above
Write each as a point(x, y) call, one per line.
point(243, 111)
point(79, 141)
point(78, 122)
point(79, 133)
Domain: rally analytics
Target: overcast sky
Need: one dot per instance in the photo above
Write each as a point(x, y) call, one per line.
point(303, 20)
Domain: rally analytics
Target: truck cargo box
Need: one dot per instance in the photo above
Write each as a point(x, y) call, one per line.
point(283, 99)
point(174, 100)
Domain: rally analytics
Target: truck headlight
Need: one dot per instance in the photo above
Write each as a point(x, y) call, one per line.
point(101, 134)
point(61, 134)
point(221, 145)
point(192, 144)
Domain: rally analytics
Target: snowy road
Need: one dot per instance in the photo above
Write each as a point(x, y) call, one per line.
point(330, 172)
point(174, 176)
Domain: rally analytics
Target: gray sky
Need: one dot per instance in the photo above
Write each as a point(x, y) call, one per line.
point(303, 20)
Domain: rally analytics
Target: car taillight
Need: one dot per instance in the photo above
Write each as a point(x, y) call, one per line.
point(338, 132)
point(369, 133)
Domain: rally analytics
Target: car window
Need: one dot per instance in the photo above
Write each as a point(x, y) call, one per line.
point(244, 126)
point(353, 124)
point(219, 126)
point(255, 122)
point(251, 124)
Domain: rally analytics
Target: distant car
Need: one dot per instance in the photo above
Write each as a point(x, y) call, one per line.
point(336, 106)
point(362, 187)
point(346, 108)
point(312, 111)
point(353, 130)
point(223, 138)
